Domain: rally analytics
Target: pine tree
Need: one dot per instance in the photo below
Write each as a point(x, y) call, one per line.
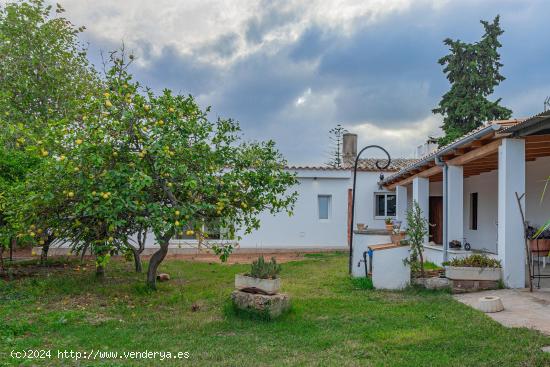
point(473, 69)
point(336, 137)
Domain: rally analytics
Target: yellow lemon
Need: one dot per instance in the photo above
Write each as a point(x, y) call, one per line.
point(78, 141)
point(177, 212)
point(108, 103)
point(70, 194)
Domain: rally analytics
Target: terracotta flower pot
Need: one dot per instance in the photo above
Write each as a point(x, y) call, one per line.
point(539, 245)
point(396, 238)
point(389, 227)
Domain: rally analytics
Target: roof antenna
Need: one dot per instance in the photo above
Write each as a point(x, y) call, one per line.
point(547, 104)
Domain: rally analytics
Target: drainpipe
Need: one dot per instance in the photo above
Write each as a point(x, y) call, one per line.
point(443, 164)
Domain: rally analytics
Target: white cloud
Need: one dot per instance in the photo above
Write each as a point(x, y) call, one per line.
point(192, 25)
point(399, 142)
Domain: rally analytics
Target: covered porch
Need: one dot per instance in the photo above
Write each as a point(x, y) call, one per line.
point(467, 191)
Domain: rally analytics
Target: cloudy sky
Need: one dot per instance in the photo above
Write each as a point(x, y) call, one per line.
point(291, 70)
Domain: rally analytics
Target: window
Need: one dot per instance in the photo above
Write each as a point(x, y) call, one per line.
point(473, 210)
point(385, 205)
point(213, 231)
point(324, 203)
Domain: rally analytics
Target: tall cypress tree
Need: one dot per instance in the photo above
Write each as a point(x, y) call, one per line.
point(473, 69)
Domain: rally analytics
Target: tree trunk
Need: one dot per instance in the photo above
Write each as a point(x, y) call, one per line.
point(137, 260)
point(44, 254)
point(154, 263)
point(99, 271)
point(421, 264)
point(2, 258)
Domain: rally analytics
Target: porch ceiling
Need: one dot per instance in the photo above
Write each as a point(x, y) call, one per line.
point(477, 157)
point(536, 146)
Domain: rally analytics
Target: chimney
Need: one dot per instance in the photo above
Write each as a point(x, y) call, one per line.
point(349, 149)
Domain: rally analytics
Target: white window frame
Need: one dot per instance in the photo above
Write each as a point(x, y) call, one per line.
point(329, 196)
point(385, 194)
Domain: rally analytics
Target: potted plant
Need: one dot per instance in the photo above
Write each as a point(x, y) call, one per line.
point(389, 224)
point(397, 236)
point(474, 267)
point(262, 278)
point(539, 239)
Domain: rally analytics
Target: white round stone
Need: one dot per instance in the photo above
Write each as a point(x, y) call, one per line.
point(490, 304)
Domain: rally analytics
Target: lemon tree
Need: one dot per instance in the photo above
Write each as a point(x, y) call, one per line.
point(135, 160)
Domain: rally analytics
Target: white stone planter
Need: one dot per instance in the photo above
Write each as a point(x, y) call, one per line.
point(490, 304)
point(267, 286)
point(472, 273)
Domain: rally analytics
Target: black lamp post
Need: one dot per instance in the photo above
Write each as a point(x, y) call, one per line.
point(353, 193)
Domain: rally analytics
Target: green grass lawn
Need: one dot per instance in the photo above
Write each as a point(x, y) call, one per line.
point(333, 322)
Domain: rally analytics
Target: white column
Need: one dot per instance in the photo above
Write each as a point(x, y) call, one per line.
point(421, 194)
point(455, 203)
point(401, 204)
point(511, 179)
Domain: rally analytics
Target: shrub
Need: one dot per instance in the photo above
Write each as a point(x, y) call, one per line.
point(538, 233)
point(264, 270)
point(475, 260)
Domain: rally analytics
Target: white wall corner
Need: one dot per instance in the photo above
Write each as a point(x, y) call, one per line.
point(421, 194)
point(511, 179)
point(402, 205)
point(455, 203)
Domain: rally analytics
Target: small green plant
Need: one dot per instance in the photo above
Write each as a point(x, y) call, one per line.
point(265, 270)
point(475, 261)
point(388, 220)
point(362, 283)
point(417, 231)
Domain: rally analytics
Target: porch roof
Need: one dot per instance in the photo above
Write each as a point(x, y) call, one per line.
point(477, 151)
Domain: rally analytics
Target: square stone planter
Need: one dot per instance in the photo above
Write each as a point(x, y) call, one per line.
point(257, 285)
point(472, 273)
point(268, 306)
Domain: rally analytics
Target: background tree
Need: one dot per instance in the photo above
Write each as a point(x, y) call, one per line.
point(336, 139)
point(134, 160)
point(473, 70)
point(44, 78)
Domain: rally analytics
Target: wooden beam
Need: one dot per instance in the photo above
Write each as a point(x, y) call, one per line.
point(477, 144)
point(473, 155)
point(424, 174)
point(538, 138)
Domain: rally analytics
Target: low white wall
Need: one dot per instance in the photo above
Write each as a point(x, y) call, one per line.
point(388, 269)
point(360, 245)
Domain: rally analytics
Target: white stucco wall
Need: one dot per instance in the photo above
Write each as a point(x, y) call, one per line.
point(367, 186)
point(304, 229)
point(486, 185)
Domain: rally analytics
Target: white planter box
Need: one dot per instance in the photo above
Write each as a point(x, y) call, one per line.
point(268, 286)
point(472, 273)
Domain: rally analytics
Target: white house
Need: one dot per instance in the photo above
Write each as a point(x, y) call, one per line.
point(468, 188)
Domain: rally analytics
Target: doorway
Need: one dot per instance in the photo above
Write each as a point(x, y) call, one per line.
point(435, 218)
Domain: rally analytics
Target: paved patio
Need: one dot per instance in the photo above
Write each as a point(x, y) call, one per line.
point(521, 308)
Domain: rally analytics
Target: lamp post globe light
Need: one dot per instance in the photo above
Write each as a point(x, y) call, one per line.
point(353, 192)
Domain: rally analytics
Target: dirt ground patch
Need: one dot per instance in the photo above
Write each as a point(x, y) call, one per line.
point(238, 258)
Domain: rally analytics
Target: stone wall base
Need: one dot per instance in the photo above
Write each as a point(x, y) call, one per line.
point(465, 286)
point(270, 306)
